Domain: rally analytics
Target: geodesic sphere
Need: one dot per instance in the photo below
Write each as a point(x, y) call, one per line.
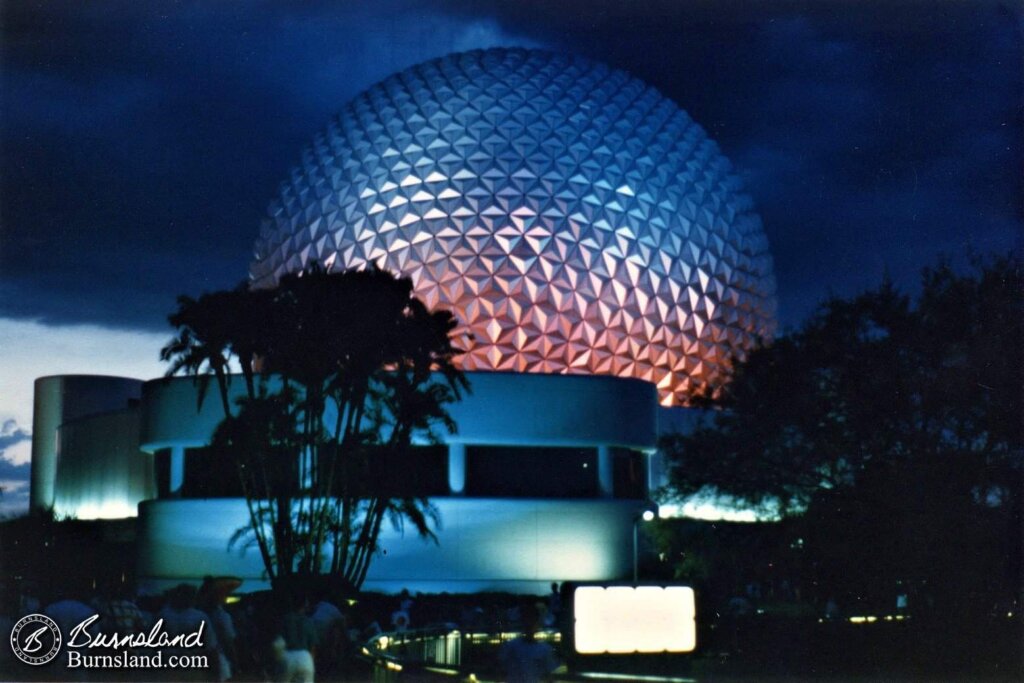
point(573, 218)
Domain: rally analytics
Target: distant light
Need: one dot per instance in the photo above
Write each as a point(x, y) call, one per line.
point(648, 515)
point(624, 619)
point(870, 619)
point(232, 599)
point(710, 512)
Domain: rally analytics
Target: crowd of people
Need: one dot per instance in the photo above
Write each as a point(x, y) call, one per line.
point(239, 640)
point(287, 635)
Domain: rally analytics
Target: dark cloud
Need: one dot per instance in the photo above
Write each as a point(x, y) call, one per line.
point(11, 433)
point(142, 141)
point(874, 136)
point(147, 141)
point(11, 472)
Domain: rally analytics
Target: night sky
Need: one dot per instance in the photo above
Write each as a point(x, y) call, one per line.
point(142, 142)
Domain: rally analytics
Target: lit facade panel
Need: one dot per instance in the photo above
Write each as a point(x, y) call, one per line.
point(101, 472)
point(59, 399)
point(484, 544)
point(574, 219)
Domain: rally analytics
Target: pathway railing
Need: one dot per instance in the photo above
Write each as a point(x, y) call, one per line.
point(441, 651)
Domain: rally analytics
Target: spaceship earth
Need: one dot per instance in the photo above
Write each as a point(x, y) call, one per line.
point(573, 218)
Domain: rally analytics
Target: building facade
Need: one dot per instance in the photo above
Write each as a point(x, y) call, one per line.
point(542, 482)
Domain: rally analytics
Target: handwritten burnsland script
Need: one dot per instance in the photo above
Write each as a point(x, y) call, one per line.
point(155, 638)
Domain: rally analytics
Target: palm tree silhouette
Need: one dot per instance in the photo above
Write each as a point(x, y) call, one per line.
point(201, 346)
point(350, 364)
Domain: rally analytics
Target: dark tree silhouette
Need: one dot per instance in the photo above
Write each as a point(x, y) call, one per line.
point(891, 427)
point(341, 371)
point(202, 347)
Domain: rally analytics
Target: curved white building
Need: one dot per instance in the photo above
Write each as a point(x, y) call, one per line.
point(542, 482)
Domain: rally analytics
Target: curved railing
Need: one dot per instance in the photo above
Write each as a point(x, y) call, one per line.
point(443, 651)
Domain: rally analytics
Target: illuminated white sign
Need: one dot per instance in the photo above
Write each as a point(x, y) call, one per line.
point(624, 619)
